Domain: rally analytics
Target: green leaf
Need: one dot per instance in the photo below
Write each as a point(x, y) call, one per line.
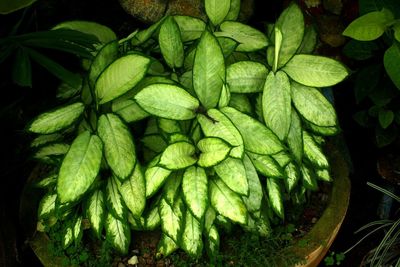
point(79, 167)
point(212, 242)
point(217, 10)
point(228, 46)
point(315, 71)
point(396, 29)
point(47, 206)
point(208, 70)
point(178, 156)
point(155, 176)
point(386, 118)
point(253, 200)
point(44, 139)
point(275, 197)
point(144, 35)
point(249, 38)
point(266, 165)
point(277, 48)
point(277, 104)
point(67, 234)
point(154, 142)
point(115, 203)
point(226, 202)
point(295, 137)
point(133, 191)
point(313, 152)
point(225, 96)
point(191, 240)
point(241, 102)
point(167, 101)
point(391, 61)
point(309, 180)
point(7, 7)
point(21, 69)
point(46, 182)
point(119, 149)
point(50, 152)
point(324, 175)
point(246, 77)
point(57, 119)
point(103, 33)
point(171, 219)
point(313, 105)
point(282, 158)
point(172, 186)
point(234, 10)
point(291, 25)
point(129, 110)
point(118, 234)
point(233, 173)
point(309, 40)
point(191, 28)
point(95, 212)
point(256, 137)
point(171, 44)
point(369, 26)
point(165, 246)
point(107, 54)
point(77, 229)
point(120, 76)
point(213, 151)
point(292, 176)
point(169, 126)
point(216, 124)
point(195, 190)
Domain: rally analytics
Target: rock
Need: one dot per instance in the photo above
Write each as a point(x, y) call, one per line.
point(133, 261)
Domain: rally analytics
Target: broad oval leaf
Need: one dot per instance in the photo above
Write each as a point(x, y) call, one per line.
point(226, 202)
point(119, 149)
point(253, 200)
point(191, 28)
point(242, 103)
point(266, 165)
point(129, 110)
point(155, 176)
point(249, 38)
point(391, 61)
point(295, 137)
point(246, 77)
point(291, 25)
point(107, 54)
point(171, 188)
point(165, 246)
point(233, 173)
point(167, 101)
point(103, 33)
point(120, 76)
point(178, 156)
point(256, 137)
point(276, 104)
point(118, 234)
point(79, 167)
point(114, 200)
point(191, 240)
point(57, 119)
point(216, 124)
point(217, 10)
point(234, 10)
point(95, 212)
point(195, 190)
point(171, 44)
point(213, 151)
point(313, 105)
point(172, 218)
point(313, 152)
point(315, 71)
point(133, 192)
point(275, 197)
point(208, 70)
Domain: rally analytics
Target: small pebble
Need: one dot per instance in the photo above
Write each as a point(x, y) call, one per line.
point(133, 261)
point(314, 220)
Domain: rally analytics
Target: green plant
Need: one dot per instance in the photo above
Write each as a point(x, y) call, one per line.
point(387, 252)
point(189, 126)
point(376, 35)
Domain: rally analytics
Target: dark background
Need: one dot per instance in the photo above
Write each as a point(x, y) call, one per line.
point(19, 105)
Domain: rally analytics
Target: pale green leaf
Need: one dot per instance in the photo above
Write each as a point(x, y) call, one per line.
point(309, 179)
point(191, 239)
point(253, 200)
point(44, 139)
point(49, 152)
point(144, 35)
point(120, 76)
point(114, 200)
point(234, 10)
point(276, 103)
point(226, 202)
point(391, 61)
point(171, 188)
point(167, 101)
point(171, 219)
point(315, 71)
point(275, 197)
point(77, 230)
point(154, 142)
point(67, 234)
point(191, 28)
point(118, 234)
point(313, 152)
point(246, 77)
point(171, 44)
point(225, 97)
point(79, 167)
point(266, 165)
point(217, 10)
point(309, 40)
point(282, 158)
point(295, 138)
point(233, 173)
point(242, 103)
point(57, 119)
point(47, 206)
point(46, 182)
point(178, 156)
point(129, 110)
point(169, 126)
point(292, 176)
point(95, 211)
point(119, 149)
point(165, 246)
point(213, 151)
point(133, 191)
point(208, 70)
point(103, 33)
point(324, 175)
point(212, 242)
point(155, 176)
point(277, 48)
point(107, 54)
point(228, 46)
point(195, 190)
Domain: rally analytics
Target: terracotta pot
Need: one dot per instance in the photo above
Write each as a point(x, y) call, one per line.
point(312, 247)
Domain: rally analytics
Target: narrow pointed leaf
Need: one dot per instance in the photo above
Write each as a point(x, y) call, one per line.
point(167, 101)
point(191, 241)
point(46, 182)
point(171, 188)
point(246, 77)
point(120, 76)
point(266, 165)
point(129, 110)
point(275, 197)
point(115, 203)
point(171, 219)
point(313, 152)
point(51, 152)
point(107, 54)
point(253, 200)
point(213, 151)
point(212, 242)
point(79, 167)
point(57, 119)
point(295, 137)
point(22, 70)
point(315, 71)
point(118, 234)
point(133, 192)
point(256, 137)
point(276, 103)
point(178, 156)
point(217, 10)
point(191, 28)
point(119, 149)
point(292, 176)
point(166, 246)
point(67, 234)
point(233, 173)
point(47, 206)
point(155, 176)
point(313, 105)
point(225, 96)
point(195, 190)
point(95, 212)
point(77, 230)
point(323, 175)
point(103, 33)
point(171, 44)
point(227, 202)
point(208, 70)
point(241, 102)
point(309, 179)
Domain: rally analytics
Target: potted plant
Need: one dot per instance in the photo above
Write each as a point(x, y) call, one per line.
point(186, 126)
